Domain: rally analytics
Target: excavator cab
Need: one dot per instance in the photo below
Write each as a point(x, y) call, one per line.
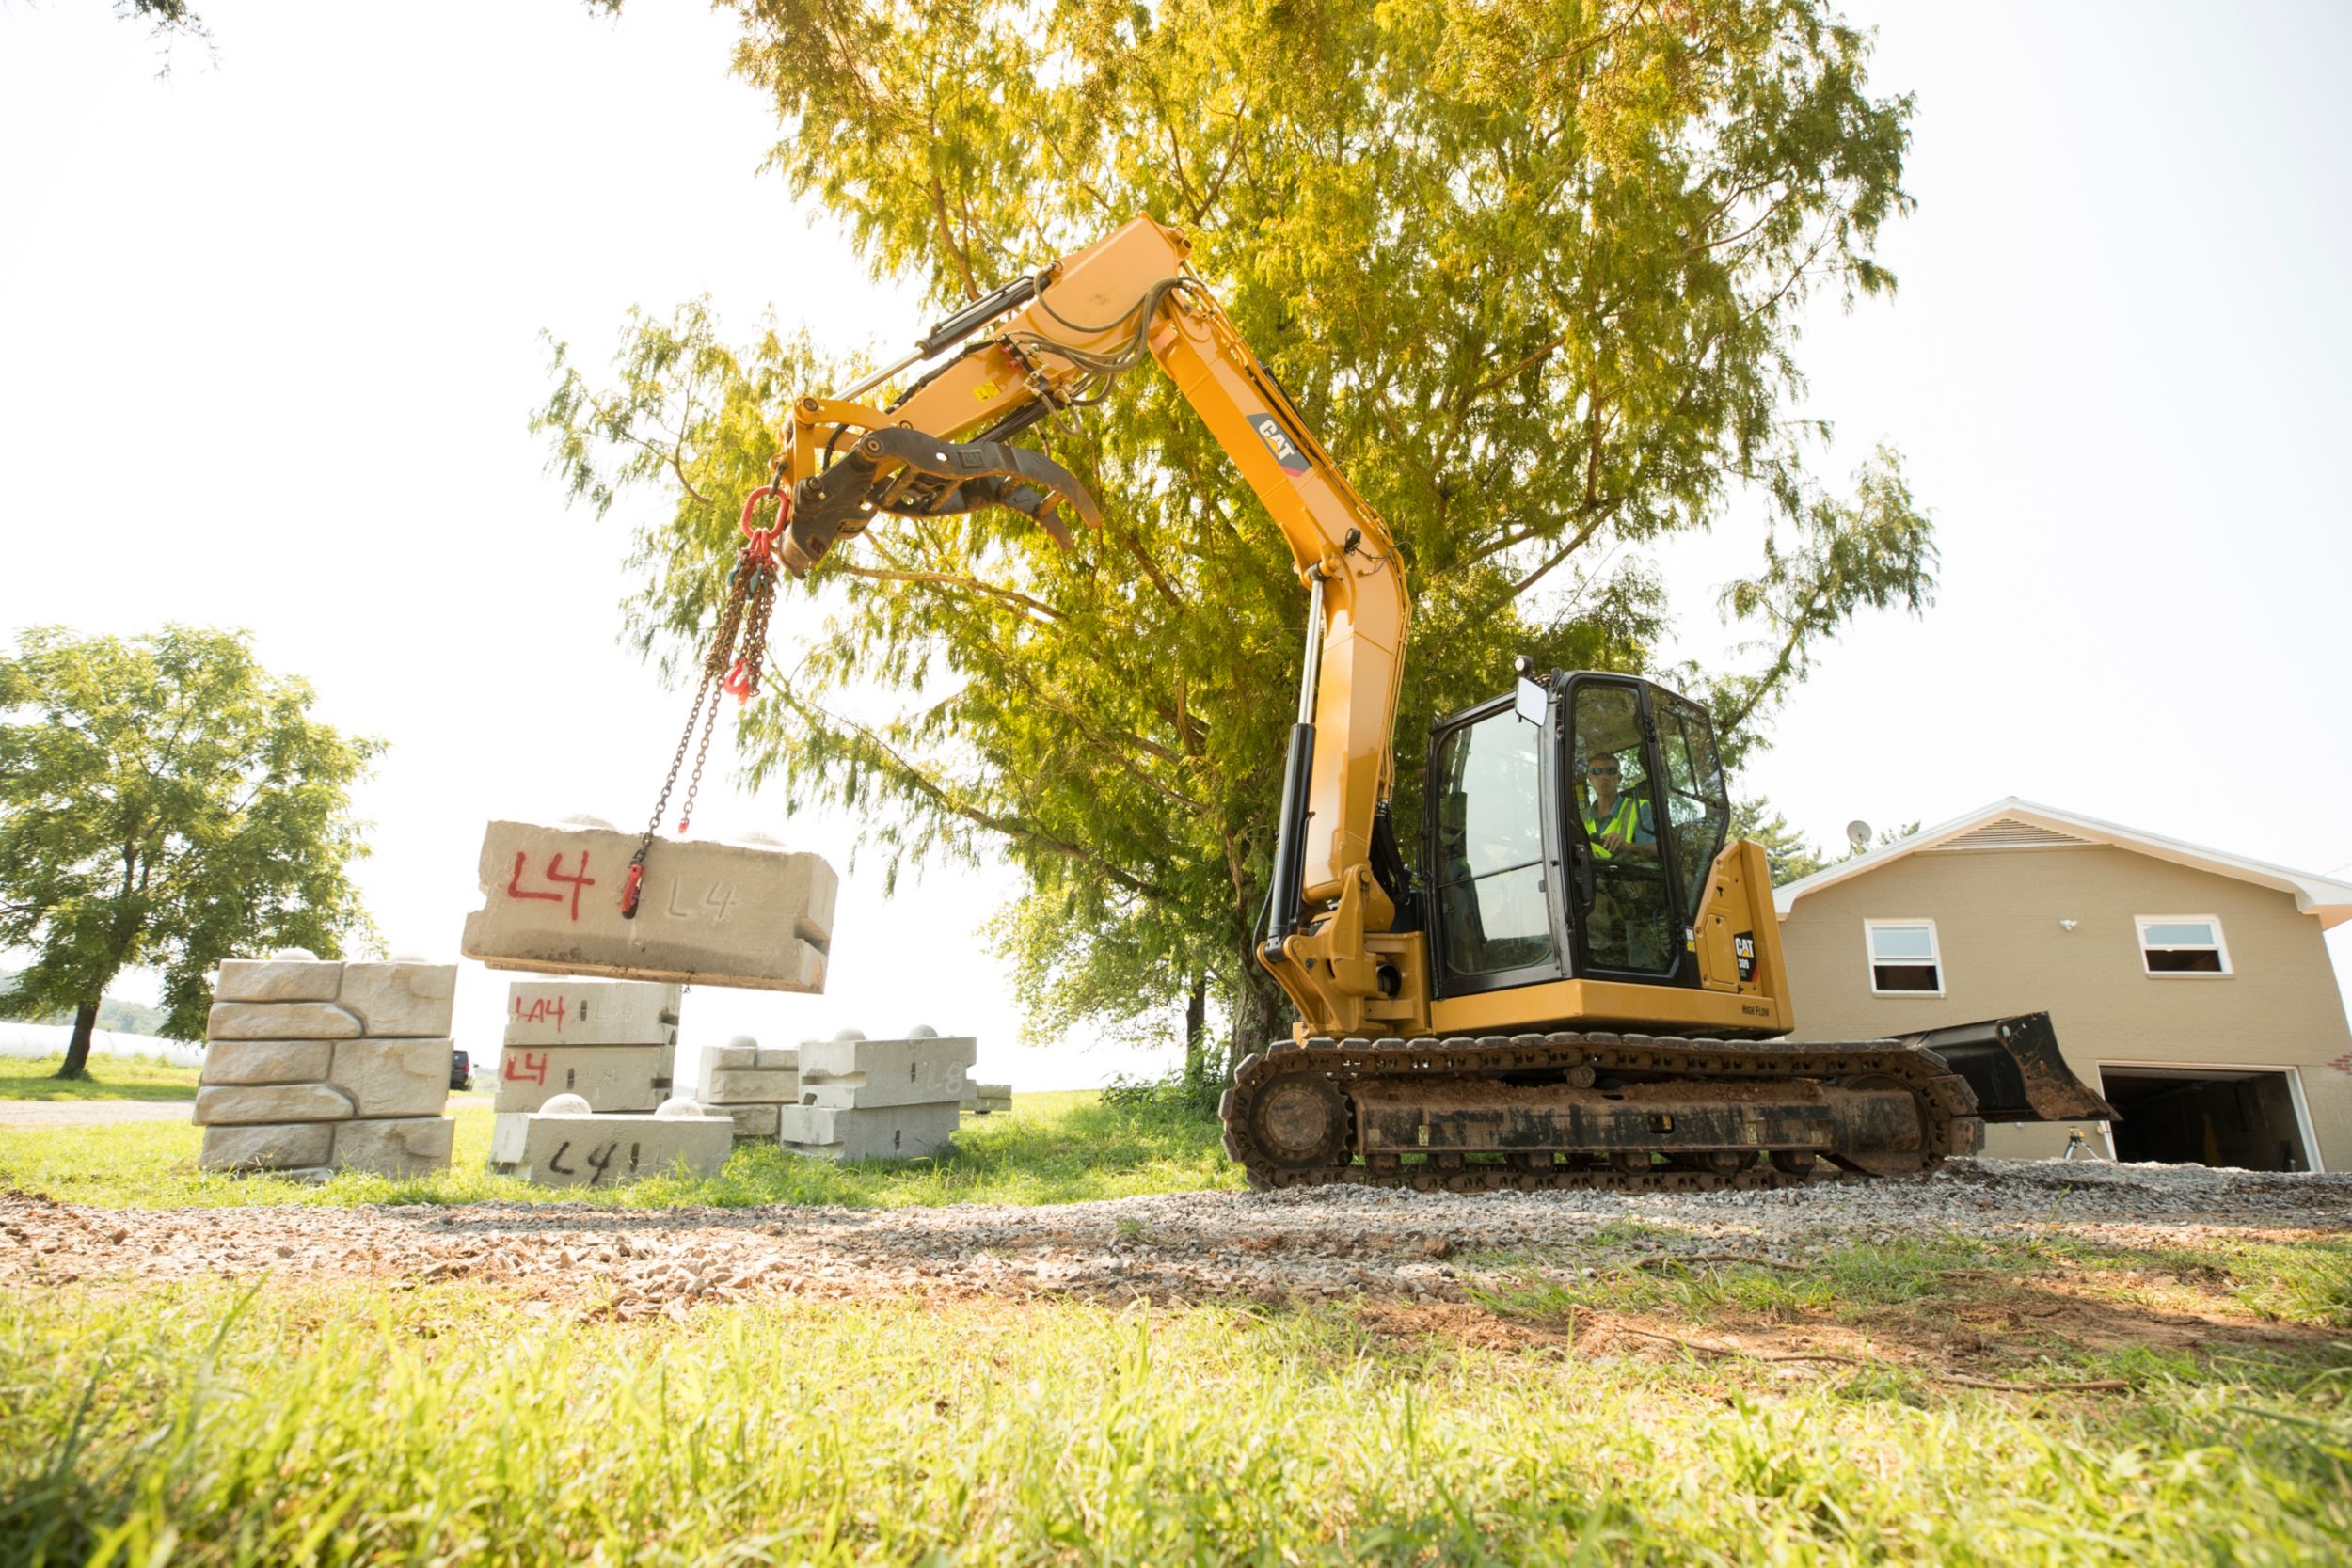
point(1570, 829)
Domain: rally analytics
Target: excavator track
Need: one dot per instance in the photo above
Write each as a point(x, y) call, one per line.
point(1487, 1111)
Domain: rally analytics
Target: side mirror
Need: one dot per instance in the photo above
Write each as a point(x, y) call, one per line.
point(1534, 702)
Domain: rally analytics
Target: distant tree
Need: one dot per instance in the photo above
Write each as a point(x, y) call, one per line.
point(114, 1013)
point(165, 800)
point(1786, 850)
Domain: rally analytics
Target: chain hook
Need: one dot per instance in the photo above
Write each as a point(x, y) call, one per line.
point(738, 647)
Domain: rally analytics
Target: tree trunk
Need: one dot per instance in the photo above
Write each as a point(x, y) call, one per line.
point(77, 1048)
point(1262, 1014)
point(1196, 1031)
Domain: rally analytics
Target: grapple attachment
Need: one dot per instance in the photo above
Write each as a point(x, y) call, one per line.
point(2013, 1065)
point(913, 475)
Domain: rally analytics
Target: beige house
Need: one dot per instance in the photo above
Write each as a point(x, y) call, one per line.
point(2189, 986)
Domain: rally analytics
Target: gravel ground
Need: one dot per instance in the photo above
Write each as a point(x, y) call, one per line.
point(17, 1114)
point(1301, 1245)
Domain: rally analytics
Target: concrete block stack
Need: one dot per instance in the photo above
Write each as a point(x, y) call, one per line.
point(878, 1099)
point(750, 1086)
point(613, 1044)
point(986, 1098)
point(314, 1065)
point(736, 913)
point(566, 1145)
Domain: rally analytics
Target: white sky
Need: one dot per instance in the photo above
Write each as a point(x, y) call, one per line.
point(269, 329)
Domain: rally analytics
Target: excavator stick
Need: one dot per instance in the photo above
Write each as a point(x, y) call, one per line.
point(910, 474)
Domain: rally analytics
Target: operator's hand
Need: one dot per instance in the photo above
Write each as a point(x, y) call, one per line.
point(1613, 840)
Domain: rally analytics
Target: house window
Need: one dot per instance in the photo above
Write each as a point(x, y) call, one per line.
point(1903, 958)
point(2183, 945)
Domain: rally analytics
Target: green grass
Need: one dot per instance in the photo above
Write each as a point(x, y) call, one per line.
point(1932, 1285)
point(445, 1423)
point(1053, 1147)
point(111, 1078)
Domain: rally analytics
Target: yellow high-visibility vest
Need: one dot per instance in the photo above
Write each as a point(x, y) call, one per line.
point(1625, 819)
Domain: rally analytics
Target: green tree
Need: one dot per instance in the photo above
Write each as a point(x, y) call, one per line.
point(1533, 269)
point(165, 800)
point(1786, 850)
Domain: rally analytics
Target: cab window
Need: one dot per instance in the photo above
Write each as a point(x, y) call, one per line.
point(1698, 810)
point(1490, 849)
point(1629, 923)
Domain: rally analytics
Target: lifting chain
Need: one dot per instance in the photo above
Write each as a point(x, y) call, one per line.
point(738, 649)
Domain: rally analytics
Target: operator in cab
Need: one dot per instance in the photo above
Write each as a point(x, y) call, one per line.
point(1617, 823)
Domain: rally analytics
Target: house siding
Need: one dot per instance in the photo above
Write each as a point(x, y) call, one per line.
point(1996, 914)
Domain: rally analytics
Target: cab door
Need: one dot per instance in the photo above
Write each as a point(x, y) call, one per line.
point(1625, 904)
point(1494, 860)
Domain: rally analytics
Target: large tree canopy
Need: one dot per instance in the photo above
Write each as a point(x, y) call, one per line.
point(165, 800)
point(1533, 269)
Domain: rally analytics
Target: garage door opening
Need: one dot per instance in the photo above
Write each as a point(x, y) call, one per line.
point(2206, 1116)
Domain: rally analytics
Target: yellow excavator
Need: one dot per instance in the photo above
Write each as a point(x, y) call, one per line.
point(1580, 983)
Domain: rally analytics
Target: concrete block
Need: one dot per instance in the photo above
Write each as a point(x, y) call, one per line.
point(394, 1078)
point(508, 1130)
point(400, 1000)
point(732, 1058)
point(610, 1077)
point(398, 1146)
point(267, 1147)
point(749, 1086)
point(280, 1020)
point(278, 980)
point(751, 1121)
point(863, 1074)
point(266, 1062)
point(711, 912)
point(591, 1012)
point(275, 1102)
point(603, 1151)
point(895, 1132)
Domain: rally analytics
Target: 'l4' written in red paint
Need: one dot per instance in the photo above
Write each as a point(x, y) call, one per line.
point(515, 888)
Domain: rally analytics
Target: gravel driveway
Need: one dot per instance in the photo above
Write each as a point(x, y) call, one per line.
point(1290, 1245)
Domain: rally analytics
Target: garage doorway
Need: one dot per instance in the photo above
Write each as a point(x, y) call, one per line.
point(2249, 1118)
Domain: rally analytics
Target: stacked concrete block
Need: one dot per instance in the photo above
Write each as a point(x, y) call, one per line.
point(566, 1145)
point(986, 1098)
point(878, 1099)
point(747, 912)
point(750, 1086)
point(611, 1042)
point(314, 1065)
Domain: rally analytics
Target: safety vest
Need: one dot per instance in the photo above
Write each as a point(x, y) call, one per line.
point(1625, 819)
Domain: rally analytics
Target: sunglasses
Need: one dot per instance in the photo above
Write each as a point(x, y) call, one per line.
point(1605, 767)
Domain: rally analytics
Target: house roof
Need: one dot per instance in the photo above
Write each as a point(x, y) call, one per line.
point(2010, 823)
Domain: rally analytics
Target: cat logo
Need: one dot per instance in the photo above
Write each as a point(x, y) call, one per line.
point(1285, 450)
point(1743, 950)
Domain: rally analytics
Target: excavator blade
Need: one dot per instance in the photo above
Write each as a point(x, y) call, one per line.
point(2014, 1067)
point(911, 474)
